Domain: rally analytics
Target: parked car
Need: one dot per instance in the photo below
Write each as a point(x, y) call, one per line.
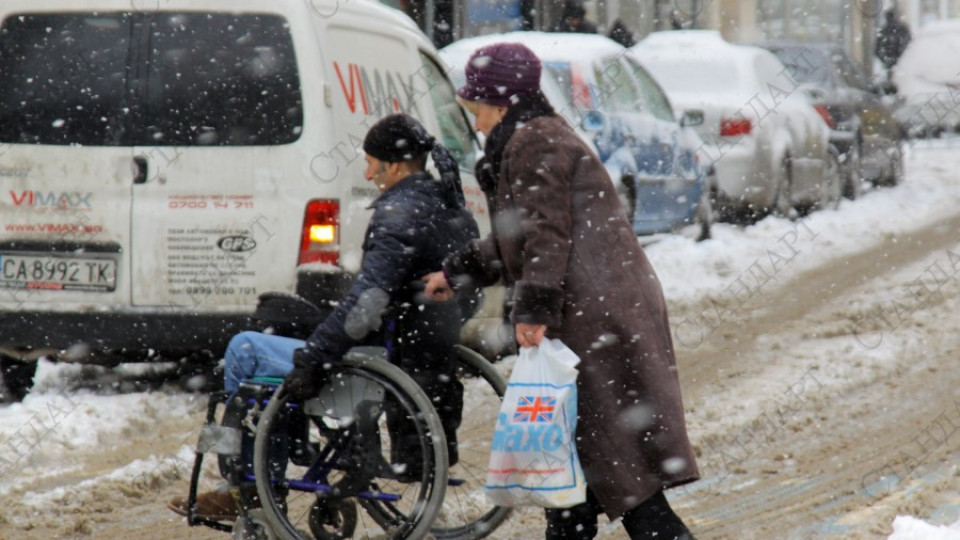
point(927, 78)
point(151, 194)
point(862, 125)
point(768, 144)
point(621, 112)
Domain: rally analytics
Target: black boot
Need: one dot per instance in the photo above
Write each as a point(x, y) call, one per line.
point(654, 519)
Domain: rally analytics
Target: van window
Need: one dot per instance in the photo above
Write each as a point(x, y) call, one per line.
point(455, 131)
point(64, 79)
point(210, 79)
point(221, 79)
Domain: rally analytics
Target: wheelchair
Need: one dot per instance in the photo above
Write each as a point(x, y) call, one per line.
point(364, 458)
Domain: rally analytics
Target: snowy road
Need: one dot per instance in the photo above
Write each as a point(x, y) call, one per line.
point(820, 364)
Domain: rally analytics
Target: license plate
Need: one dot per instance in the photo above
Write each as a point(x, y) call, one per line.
point(57, 272)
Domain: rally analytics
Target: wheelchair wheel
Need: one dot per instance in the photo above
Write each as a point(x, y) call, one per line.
point(314, 462)
point(467, 514)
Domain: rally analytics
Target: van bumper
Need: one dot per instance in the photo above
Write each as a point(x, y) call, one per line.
point(167, 334)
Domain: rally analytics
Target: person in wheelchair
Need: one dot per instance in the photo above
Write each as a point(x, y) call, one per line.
point(417, 221)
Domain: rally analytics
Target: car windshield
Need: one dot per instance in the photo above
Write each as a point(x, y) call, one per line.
point(806, 65)
point(654, 100)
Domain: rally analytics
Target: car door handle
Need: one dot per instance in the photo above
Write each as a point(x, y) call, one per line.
point(139, 169)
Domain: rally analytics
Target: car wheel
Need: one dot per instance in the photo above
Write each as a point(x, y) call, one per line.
point(200, 372)
point(17, 377)
point(783, 200)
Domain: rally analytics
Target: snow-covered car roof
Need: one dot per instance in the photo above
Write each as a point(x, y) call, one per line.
point(686, 61)
point(698, 39)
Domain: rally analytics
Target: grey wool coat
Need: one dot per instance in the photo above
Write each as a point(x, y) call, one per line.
point(562, 240)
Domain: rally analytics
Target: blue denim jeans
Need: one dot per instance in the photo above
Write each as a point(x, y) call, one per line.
point(252, 354)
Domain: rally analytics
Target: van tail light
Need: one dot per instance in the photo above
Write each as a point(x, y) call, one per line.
point(825, 114)
point(732, 127)
point(321, 233)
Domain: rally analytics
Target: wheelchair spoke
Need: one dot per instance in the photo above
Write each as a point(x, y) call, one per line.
point(344, 446)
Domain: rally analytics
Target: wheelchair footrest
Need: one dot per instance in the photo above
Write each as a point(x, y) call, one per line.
point(312, 487)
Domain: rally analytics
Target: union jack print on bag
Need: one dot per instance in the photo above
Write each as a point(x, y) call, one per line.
point(535, 409)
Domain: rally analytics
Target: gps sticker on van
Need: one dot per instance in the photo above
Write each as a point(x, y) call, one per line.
point(237, 243)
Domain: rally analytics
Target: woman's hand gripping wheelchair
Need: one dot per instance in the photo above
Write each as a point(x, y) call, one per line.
point(335, 466)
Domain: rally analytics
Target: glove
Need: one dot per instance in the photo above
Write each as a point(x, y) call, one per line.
point(306, 378)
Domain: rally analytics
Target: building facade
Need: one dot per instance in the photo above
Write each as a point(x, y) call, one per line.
point(851, 23)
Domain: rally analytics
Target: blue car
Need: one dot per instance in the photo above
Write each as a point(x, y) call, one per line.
point(619, 110)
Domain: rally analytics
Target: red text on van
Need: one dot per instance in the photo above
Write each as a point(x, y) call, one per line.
point(52, 199)
point(376, 92)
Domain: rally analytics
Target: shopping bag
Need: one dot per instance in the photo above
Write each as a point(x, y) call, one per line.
point(533, 459)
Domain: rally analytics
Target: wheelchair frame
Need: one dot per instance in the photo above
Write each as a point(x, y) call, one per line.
point(264, 523)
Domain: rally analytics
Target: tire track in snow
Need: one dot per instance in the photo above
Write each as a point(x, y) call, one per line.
point(800, 478)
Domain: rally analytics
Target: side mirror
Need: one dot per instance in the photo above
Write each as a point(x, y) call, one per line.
point(691, 118)
point(593, 121)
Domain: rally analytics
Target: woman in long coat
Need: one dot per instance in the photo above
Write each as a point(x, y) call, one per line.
point(561, 238)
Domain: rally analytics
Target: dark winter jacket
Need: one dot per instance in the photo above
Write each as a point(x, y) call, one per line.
point(415, 224)
point(562, 239)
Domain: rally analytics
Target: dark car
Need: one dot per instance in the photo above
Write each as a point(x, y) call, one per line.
point(863, 127)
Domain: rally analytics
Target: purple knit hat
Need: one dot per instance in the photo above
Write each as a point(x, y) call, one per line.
point(495, 73)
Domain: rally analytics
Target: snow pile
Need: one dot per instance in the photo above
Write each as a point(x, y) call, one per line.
point(58, 420)
point(909, 528)
point(776, 249)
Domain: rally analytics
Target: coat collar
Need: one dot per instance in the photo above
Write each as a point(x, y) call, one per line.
point(415, 181)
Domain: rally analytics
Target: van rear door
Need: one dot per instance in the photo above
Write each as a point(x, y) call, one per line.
point(65, 167)
point(220, 161)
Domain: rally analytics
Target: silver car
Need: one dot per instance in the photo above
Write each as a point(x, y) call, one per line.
point(769, 146)
point(862, 125)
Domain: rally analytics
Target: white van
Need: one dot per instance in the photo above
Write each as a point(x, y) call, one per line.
point(164, 162)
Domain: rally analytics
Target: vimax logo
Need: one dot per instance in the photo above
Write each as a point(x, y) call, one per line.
point(52, 199)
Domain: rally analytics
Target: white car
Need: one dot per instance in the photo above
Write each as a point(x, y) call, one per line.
point(618, 109)
point(769, 145)
point(927, 78)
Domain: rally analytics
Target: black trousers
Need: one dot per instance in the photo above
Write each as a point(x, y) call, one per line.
point(653, 518)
